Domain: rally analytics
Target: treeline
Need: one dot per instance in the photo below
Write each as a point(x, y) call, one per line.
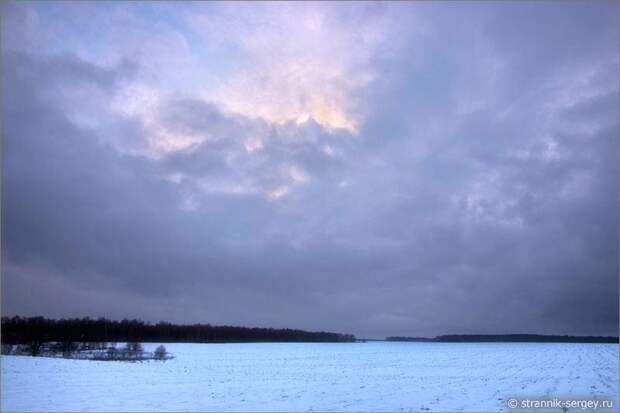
point(399, 338)
point(495, 338)
point(16, 330)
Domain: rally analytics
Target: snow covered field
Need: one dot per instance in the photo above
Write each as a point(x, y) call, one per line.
point(373, 376)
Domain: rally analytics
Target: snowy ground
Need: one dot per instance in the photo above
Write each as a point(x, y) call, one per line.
point(372, 376)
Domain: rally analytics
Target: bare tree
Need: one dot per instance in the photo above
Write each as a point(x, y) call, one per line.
point(134, 350)
point(68, 348)
point(34, 347)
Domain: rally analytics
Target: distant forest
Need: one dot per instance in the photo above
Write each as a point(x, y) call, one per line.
point(18, 330)
point(494, 338)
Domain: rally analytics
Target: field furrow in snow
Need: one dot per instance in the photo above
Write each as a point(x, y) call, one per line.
point(315, 377)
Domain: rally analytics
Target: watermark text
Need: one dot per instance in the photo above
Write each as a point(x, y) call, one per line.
point(558, 403)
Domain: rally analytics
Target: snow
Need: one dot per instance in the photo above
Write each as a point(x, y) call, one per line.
point(373, 376)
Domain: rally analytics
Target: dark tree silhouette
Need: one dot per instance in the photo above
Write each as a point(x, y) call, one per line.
point(531, 338)
point(134, 350)
point(34, 347)
point(18, 330)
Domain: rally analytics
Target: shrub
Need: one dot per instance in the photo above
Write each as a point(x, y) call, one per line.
point(7, 349)
point(160, 353)
point(112, 353)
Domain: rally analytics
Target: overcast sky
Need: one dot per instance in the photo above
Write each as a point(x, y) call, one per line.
point(379, 169)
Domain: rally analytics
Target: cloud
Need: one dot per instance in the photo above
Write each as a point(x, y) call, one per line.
point(457, 183)
point(295, 62)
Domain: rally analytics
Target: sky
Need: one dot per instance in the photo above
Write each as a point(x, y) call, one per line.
point(374, 168)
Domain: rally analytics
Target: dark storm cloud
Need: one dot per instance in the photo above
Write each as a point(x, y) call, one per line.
point(479, 196)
